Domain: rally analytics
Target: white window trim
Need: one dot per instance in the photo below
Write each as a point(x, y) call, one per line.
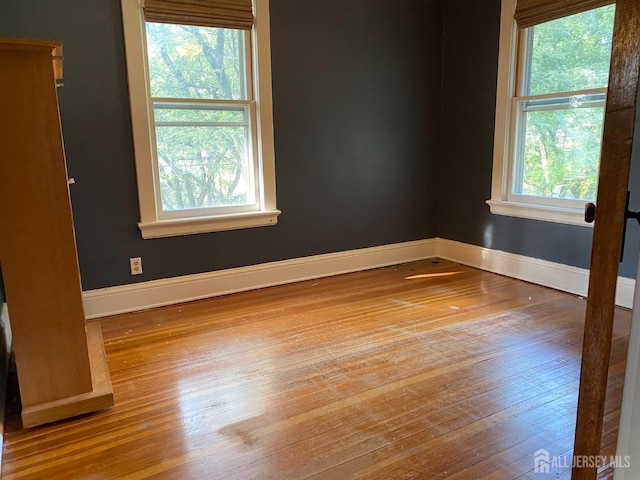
point(151, 225)
point(501, 202)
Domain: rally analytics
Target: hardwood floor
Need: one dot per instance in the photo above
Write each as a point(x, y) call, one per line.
point(427, 370)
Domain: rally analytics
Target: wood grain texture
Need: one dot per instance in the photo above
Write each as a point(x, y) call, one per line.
point(619, 126)
point(37, 245)
point(99, 398)
point(425, 370)
point(38, 248)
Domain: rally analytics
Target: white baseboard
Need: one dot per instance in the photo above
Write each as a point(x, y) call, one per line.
point(141, 296)
point(542, 272)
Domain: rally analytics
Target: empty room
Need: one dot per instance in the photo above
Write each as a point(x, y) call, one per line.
point(290, 239)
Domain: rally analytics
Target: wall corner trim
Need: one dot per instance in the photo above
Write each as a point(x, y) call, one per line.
point(141, 296)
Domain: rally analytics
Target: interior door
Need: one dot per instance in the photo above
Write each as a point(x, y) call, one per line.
point(607, 234)
point(629, 432)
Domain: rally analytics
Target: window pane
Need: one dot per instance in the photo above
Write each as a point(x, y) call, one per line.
point(561, 152)
point(203, 165)
point(196, 62)
point(571, 53)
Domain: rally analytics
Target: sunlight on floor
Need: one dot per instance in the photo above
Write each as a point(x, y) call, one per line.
point(432, 275)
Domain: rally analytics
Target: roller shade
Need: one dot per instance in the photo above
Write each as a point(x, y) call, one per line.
point(204, 13)
point(533, 12)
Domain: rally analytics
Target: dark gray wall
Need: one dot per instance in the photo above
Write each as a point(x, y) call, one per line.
point(356, 107)
point(470, 45)
point(383, 131)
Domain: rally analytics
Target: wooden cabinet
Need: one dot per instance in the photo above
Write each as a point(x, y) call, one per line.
point(62, 368)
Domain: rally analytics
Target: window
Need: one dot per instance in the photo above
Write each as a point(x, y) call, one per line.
point(552, 84)
point(202, 118)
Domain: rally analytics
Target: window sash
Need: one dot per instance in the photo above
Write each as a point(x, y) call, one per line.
point(529, 13)
point(561, 100)
point(246, 91)
point(250, 124)
point(543, 103)
point(249, 127)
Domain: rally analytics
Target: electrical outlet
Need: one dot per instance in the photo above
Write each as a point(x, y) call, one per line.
point(136, 265)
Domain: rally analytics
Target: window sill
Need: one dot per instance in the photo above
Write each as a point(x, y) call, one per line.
point(546, 213)
point(189, 226)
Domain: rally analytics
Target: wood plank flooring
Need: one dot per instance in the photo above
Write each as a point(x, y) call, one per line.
point(427, 370)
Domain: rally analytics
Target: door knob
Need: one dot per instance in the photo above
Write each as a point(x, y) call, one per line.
point(590, 216)
point(589, 212)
